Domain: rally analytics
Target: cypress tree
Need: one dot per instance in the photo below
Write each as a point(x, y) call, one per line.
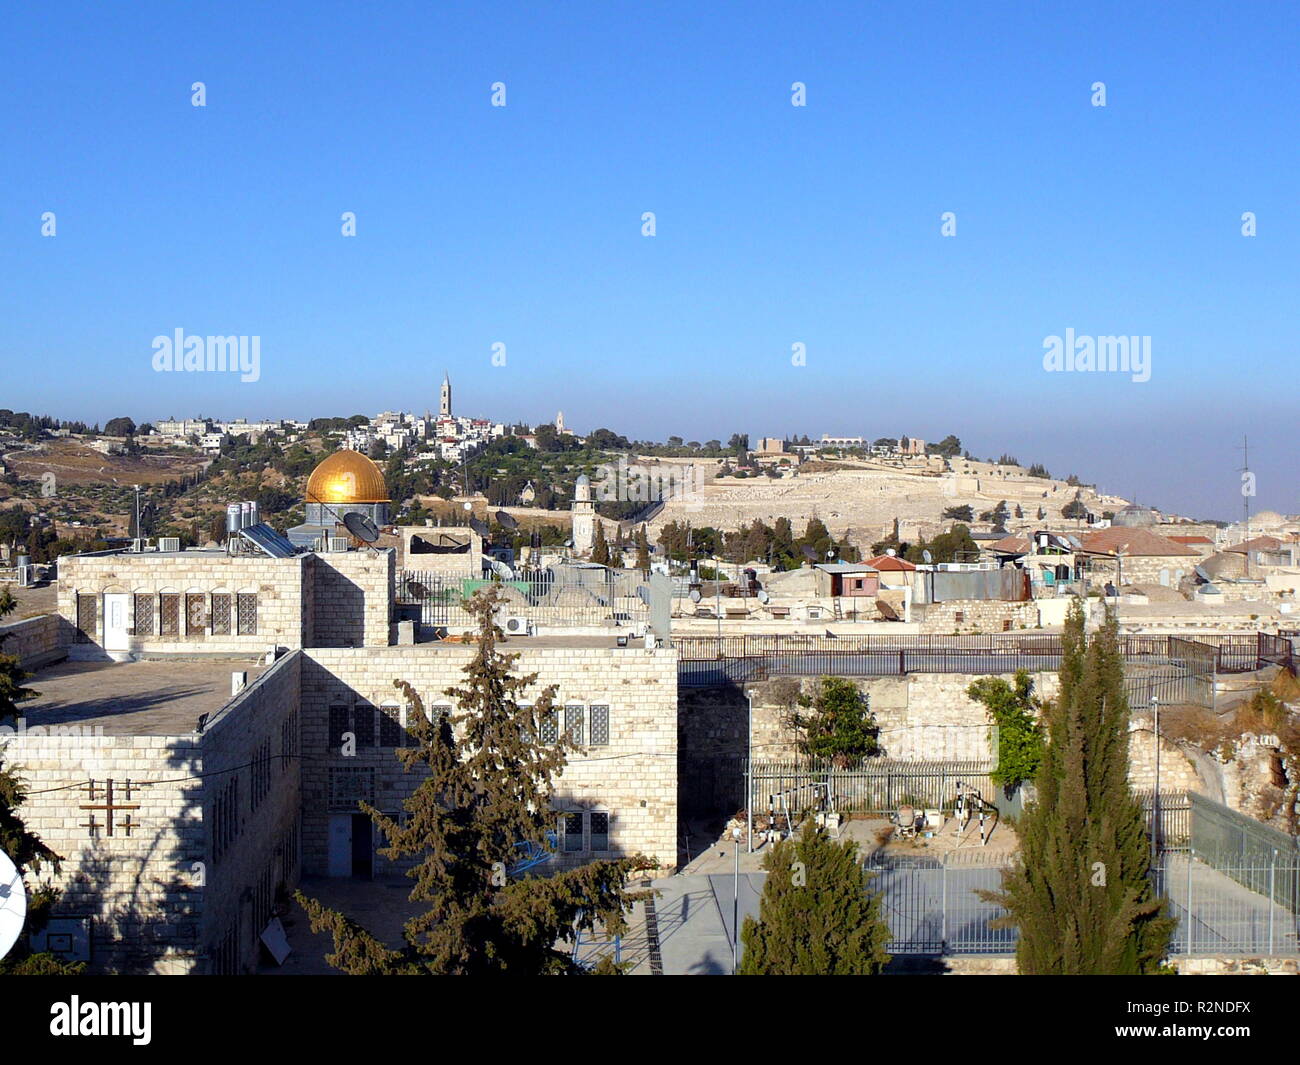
point(488, 785)
point(817, 916)
point(642, 550)
point(600, 546)
point(1081, 895)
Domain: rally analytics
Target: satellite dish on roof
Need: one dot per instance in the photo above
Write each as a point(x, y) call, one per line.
point(361, 527)
point(507, 521)
point(417, 589)
point(890, 552)
point(927, 556)
point(13, 904)
point(1200, 572)
point(643, 593)
point(478, 527)
point(808, 552)
point(695, 595)
point(763, 597)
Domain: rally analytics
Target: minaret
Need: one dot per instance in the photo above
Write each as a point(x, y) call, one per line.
point(444, 405)
point(584, 517)
point(559, 423)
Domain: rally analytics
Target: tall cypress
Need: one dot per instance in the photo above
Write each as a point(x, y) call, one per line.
point(816, 916)
point(1081, 894)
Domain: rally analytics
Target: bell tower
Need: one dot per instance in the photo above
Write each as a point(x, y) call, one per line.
point(444, 402)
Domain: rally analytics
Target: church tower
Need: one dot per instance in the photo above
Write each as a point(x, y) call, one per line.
point(559, 423)
point(444, 403)
point(584, 517)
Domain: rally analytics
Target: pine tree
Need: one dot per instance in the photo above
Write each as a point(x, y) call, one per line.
point(1081, 896)
point(817, 916)
point(12, 675)
point(488, 786)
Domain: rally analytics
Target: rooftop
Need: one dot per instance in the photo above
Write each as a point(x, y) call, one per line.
point(149, 698)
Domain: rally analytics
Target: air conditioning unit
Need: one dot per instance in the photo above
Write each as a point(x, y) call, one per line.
point(517, 626)
point(169, 543)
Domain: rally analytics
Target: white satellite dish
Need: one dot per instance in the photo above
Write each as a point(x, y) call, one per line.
point(927, 556)
point(13, 904)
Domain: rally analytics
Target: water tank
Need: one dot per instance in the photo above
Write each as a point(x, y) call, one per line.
point(233, 519)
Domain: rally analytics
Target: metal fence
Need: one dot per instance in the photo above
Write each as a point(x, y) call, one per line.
point(558, 596)
point(1173, 670)
point(876, 786)
point(935, 907)
point(1232, 884)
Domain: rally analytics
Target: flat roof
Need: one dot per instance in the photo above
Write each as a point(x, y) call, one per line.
point(148, 698)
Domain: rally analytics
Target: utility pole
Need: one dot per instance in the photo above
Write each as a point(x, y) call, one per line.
point(1247, 490)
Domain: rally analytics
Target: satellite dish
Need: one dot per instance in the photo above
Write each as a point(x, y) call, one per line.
point(763, 597)
point(361, 527)
point(643, 593)
point(1200, 572)
point(695, 595)
point(927, 556)
point(890, 552)
point(13, 904)
point(478, 527)
point(808, 553)
point(507, 521)
point(417, 589)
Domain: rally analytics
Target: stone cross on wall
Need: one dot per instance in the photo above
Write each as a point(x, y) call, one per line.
point(110, 805)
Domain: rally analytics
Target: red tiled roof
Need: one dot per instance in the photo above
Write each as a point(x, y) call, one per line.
point(1011, 545)
point(1132, 541)
point(1190, 540)
point(890, 562)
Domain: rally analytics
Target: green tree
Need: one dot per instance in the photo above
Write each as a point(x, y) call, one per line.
point(12, 675)
point(1020, 736)
point(1081, 895)
point(488, 786)
point(642, 550)
point(836, 722)
point(600, 546)
point(817, 916)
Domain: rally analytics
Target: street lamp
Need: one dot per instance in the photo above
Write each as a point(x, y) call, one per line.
point(1155, 798)
point(735, 898)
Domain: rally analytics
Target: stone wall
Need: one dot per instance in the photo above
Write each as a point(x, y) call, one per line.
point(277, 582)
point(340, 599)
point(350, 596)
point(976, 616)
point(36, 641)
point(250, 751)
point(632, 778)
point(157, 901)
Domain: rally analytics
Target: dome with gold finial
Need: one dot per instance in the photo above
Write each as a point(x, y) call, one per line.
point(347, 477)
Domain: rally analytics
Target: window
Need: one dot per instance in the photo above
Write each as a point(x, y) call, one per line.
point(599, 832)
point(171, 614)
point(551, 727)
point(571, 829)
point(261, 774)
point(359, 721)
point(144, 615)
point(246, 613)
point(349, 786)
point(573, 724)
point(196, 622)
point(960, 616)
point(391, 732)
point(225, 816)
point(599, 726)
point(87, 609)
point(221, 614)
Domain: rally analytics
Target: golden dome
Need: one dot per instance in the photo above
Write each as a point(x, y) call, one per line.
point(347, 477)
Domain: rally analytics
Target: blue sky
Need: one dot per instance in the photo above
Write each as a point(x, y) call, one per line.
point(776, 224)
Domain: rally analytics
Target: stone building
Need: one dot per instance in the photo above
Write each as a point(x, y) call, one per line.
point(185, 752)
